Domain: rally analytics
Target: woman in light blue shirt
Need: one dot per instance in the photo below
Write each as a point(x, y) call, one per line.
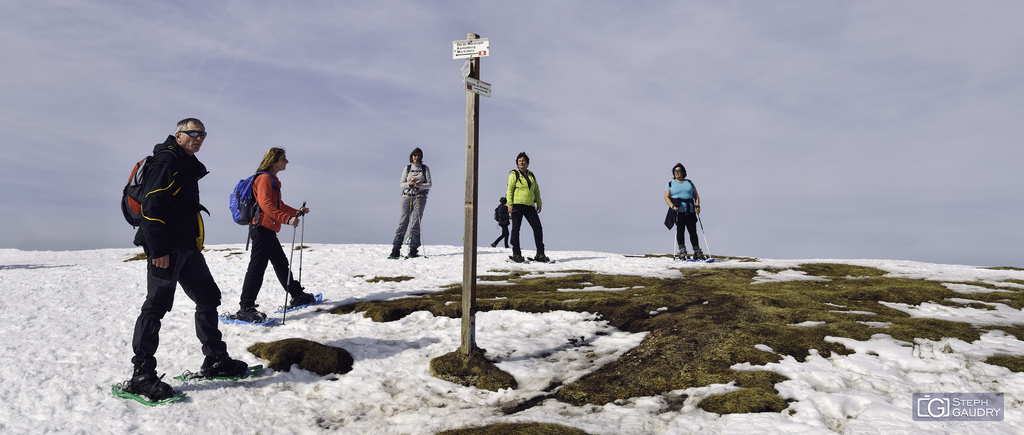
point(681, 195)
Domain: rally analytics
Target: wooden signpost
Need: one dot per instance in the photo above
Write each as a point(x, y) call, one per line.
point(472, 49)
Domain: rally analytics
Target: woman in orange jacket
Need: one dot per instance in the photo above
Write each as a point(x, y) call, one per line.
point(265, 245)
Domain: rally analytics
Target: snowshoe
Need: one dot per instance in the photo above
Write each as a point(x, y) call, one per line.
point(147, 389)
point(119, 391)
point(251, 315)
point(302, 299)
point(189, 376)
point(232, 318)
point(295, 305)
point(222, 366)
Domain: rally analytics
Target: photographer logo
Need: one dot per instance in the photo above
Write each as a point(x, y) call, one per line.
point(958, 406)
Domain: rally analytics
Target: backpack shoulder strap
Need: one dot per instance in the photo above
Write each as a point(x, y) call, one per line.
point(527, 177)
point(273, 180)
point(514, 185)
point(174, 155)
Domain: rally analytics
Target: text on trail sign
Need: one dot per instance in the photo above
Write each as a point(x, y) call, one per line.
point(477, 87)
point(470, 48)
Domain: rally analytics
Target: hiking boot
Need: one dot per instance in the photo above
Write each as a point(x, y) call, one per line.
point(413, 254)
point(517, 258)
point(395, 254)
point(251, 315)
point(150, 386)
point(303, 299)
point(541, 258)
point(223, 366)
point(682, 255)
point(495, 245)
point(698, 255)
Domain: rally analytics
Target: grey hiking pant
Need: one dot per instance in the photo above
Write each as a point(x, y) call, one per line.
point(412, 213)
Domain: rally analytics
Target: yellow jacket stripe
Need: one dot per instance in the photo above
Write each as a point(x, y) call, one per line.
point(155, 191)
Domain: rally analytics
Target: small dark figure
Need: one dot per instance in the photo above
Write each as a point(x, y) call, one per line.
point(501, 216)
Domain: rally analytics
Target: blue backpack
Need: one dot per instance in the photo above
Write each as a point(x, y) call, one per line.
point(242, 201)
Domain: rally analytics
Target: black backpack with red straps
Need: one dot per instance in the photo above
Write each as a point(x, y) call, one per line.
point(134, 191)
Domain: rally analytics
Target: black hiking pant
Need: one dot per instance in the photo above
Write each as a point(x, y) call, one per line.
point(521, 211)
point(503, 236)
point(188, 268)
point(687, 221)
point(266, 248)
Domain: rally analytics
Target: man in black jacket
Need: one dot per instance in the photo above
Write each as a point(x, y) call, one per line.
point(171, 234)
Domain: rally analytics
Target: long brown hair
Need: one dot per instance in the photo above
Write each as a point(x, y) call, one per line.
point(270, 158)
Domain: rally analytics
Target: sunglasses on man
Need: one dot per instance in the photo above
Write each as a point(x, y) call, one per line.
point(195, 134)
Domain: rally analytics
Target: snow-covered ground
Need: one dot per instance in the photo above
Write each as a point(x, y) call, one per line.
point(68, 319)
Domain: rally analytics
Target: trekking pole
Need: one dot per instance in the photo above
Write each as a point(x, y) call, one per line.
point(291, 257)
point(419, 221)
point(408, 229)
point(675, 241)
point(302, 241)
point(673, 235)
point(705, 235)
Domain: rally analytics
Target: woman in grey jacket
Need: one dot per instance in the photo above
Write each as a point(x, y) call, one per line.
point(415, 184)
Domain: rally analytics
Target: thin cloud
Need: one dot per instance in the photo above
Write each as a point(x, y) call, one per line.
point(811, 129)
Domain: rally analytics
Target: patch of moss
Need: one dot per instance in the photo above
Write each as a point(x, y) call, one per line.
point(308, 355)
point(838, 270)
point(744, 401)
point(709, 319)
point(399, 308)
point(471, 370)
point(1014, 363)
point(389, 279)
point(230, 251)
point(138, 257)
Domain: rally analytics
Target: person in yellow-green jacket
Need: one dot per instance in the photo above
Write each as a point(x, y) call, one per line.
point(522, 194)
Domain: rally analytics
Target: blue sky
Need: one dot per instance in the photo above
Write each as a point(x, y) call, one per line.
point(812, 129)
